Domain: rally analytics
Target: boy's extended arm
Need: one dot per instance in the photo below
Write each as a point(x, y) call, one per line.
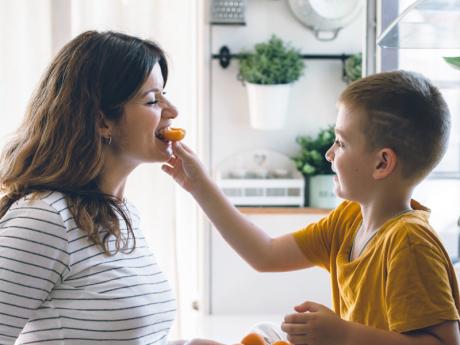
point(260, 250)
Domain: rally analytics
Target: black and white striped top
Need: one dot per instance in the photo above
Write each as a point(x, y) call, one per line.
point(56, 287)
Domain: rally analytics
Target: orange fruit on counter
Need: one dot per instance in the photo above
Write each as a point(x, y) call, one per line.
point(173, 134)
point(281, 342)
point(253, 339)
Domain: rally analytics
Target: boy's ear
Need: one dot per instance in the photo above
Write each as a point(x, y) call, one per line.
point(386, 163)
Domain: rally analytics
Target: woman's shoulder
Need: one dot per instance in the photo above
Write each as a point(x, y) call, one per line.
point(35, 211)
point(131, 209)
point(51, 201)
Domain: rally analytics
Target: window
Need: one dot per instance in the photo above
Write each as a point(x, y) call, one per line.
point(430, 63)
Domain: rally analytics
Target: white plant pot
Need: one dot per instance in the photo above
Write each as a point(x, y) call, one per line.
point(268, 105)
point(322, 192)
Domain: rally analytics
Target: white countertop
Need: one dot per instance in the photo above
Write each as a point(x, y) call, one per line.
point(228, 329)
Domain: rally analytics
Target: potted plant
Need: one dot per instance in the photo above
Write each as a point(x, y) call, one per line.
point(353, 68)
point(268, 73)
point(312, 163)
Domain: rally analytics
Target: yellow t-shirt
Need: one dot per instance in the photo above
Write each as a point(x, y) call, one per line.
point(403, 280)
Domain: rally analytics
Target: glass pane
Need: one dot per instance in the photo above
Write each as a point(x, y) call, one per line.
point(431, 64)
point(425, 24)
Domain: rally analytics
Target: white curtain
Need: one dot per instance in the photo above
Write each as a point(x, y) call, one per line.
point(31, 31)
point(25, 50)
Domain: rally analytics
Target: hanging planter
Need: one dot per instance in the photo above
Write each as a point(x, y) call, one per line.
point(265, 114)
point(268, 74)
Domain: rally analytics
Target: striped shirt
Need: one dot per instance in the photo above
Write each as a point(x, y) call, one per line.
point(57, 287)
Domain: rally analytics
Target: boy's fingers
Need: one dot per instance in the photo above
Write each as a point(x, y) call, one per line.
point(293, 328)
point(299, 339)
point(308, 306)
point(167, 169)
point(296, 318)
point(186, 148)
point(179, 150)
point(172, 160)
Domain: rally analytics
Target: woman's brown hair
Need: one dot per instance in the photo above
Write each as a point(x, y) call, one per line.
point(58, 146)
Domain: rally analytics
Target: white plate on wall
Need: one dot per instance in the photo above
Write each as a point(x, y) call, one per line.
point(325, 17)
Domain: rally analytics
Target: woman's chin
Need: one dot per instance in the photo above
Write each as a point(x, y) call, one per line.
point(164, 149)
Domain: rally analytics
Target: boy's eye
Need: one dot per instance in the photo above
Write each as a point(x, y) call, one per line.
point(338, 143)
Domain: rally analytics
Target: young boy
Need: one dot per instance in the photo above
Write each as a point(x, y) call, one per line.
point(392, 280)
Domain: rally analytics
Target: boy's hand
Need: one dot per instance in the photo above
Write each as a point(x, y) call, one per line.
point(315, 324)
point(184, 166)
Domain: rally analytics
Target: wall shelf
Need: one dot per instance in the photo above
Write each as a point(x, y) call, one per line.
point(225, 57)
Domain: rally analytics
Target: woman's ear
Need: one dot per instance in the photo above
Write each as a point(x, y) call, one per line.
point(105, 126)
point(386, 163)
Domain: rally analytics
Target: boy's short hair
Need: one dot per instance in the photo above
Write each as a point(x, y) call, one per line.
point(406, 113)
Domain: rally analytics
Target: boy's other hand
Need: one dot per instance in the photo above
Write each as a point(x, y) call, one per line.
point(315, 324)
point(185, 167)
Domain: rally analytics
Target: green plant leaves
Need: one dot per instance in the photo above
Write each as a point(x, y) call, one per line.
point(453, 61)
point(353, 68)
point(272, 62)
point(311, 158)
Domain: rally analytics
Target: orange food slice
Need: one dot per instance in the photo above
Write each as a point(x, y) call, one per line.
point(281, 342)
point(253, 339)
point(173, 134)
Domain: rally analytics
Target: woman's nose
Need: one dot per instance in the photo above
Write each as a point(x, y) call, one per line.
point(169, 110)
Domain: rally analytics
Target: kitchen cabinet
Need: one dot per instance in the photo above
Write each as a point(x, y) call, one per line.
point(237, 289)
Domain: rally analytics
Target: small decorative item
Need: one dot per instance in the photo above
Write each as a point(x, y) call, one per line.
point(261, 177)
point(353, 68)
point(312, 163)
point(268, 73)
point(225, 12)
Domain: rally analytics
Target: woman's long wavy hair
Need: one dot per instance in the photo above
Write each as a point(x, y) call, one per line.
point(59, 147)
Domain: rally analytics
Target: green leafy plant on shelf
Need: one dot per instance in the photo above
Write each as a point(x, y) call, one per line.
point(272, 62)
point(311, 159)
point(353, 68)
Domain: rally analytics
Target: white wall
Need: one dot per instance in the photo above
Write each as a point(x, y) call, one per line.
point(313, 97)
point(312, 107)
point(233, 285)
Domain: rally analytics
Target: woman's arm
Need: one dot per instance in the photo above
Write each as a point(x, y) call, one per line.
point(33, 258)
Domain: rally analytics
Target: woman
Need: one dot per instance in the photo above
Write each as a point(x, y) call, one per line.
point(74, 266)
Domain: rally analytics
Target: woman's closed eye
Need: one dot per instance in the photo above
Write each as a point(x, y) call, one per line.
point(156, 99)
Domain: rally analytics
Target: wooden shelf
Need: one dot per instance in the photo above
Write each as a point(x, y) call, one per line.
point(283, 210)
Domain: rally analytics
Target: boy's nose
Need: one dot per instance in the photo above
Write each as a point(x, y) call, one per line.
point(329, 155)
